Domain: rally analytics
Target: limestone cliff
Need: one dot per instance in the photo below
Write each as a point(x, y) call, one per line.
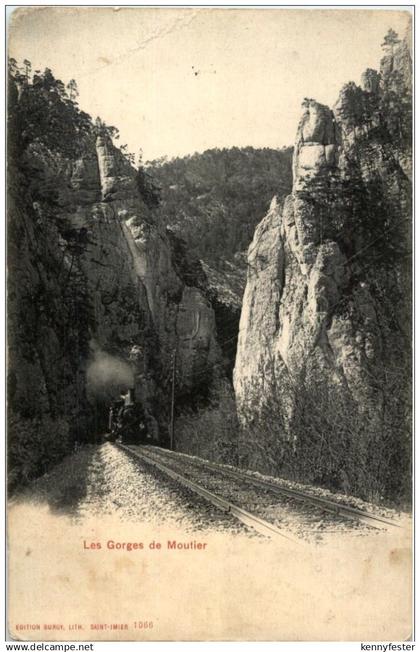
point(164, 307)
point(325, 320)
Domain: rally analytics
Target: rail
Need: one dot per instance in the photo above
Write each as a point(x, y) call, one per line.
point(326, 504)
point(258, 524)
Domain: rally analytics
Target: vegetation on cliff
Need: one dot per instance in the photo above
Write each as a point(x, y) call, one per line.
point(53, 178)
point(326, 392)
point(49, 311)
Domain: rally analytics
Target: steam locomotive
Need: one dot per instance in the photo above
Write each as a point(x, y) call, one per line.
point(127, 420)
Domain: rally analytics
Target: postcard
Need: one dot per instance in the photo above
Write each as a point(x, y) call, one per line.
point(209, 324)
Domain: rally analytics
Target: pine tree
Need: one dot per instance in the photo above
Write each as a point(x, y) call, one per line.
point(72, 89)
point(390, 41)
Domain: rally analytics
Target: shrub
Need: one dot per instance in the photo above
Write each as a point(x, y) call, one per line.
point(34, 445)
point(212, 431)
point(315, 432)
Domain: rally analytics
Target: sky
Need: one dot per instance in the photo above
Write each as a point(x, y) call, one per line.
point(176, 81)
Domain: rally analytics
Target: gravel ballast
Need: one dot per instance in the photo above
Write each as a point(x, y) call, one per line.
point(103, 480)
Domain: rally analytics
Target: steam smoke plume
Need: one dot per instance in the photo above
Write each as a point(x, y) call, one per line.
point(107, 375)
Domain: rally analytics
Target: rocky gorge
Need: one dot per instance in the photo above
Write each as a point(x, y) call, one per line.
point(104, 294)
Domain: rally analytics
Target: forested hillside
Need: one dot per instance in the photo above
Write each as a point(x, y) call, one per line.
point(214, 200)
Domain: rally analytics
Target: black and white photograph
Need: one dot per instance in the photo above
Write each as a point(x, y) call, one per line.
point(209, 323)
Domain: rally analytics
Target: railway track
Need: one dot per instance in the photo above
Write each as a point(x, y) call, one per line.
point(219, 484)
point(247, 518)
point(333, 507)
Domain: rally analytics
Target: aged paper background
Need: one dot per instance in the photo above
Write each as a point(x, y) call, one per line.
point(356, 588)
point(133, 67)
point(237, 589)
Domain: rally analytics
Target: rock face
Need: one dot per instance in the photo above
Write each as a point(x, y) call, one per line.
point(172, 312)
point(325, 313)
point(226, 287)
